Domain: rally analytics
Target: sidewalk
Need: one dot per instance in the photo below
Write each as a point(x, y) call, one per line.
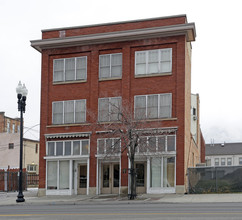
point(32, 199)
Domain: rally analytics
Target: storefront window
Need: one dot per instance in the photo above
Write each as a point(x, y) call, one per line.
point(155, 180)
point(162, 172)
point(169, 172)
point(52, 175)
point(55, 168)
point(64, 174)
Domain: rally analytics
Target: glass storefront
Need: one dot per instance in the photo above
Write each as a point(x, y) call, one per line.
point(162, 172)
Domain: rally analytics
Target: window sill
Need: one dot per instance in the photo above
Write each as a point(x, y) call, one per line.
point(66, 157)
point(157, 119)
point(110, 78)
point(69, 82)
point(109, 122)
point(67, 125)
point(153, 75)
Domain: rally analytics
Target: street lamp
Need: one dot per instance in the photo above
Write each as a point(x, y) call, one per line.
point(21, 94)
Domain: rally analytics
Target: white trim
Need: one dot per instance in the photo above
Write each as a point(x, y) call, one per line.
point(88, 176)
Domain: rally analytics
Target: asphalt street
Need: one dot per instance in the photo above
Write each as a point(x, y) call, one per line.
point(124, 211)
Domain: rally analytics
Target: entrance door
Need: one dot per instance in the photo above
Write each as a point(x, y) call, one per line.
point(140, 177)
point(82, 179)
point(110, 179)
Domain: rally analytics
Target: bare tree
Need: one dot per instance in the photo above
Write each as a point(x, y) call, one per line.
point(129, 130)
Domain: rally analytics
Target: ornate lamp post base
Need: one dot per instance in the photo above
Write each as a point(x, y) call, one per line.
point(20, 198)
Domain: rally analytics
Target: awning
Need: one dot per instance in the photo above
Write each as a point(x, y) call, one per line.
point(68, 135)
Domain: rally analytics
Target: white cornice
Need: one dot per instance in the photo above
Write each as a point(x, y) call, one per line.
point(187, 29)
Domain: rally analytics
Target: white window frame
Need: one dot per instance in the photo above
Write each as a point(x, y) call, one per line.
point(33, 166)
point(63, 150)
point(157, 149)
point(229, 161)
point(58, 175)
point(223, 161)
point(216, 160)
point(147, 61)
point(146, 105)
point(109, 107)
point(110, 66)
point(105, 143)
point(64, 74)
point(63, 111)
point(240, 160)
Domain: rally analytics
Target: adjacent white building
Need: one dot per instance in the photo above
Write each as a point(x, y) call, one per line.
point(224, 154)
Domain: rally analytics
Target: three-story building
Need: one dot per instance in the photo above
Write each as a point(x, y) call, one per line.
point(86, 71)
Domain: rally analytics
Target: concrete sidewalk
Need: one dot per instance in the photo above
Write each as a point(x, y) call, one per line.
point(32, 199)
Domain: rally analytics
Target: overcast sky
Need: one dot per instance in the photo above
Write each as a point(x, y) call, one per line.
point(216, 55)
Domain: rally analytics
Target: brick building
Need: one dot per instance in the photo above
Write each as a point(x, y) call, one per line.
point(89, 69)
point(9, 125)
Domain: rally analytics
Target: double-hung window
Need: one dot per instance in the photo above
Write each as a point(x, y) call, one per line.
point(153, 106)
point(109, 108)
point(70, 69)
point(153, 61)
point(110, 66)
point(67, 112)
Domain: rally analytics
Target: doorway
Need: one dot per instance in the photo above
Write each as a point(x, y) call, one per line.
point(110, 176)
point(82, 179)
point(140, 168)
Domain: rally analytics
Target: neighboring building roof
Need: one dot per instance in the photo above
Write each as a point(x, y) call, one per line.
point(223, 149)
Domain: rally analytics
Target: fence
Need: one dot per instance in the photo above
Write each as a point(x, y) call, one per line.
point(32, 180)
point(9, 180)
point(215, 179)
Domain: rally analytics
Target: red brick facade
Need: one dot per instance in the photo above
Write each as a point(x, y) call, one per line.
point(178, 83)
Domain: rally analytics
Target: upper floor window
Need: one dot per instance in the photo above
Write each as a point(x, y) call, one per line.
point(13, 128)
point(31, 168)
point(240, 161)
point(153, 106)
point(216, 162)
point(153, 61)
point(110, 66)
point(223, 162)
point(66, 112)
point(70, 69)
point(8, 127)
point(11, 146)
point(36, 148)
point(109, 108)
point(229, 161)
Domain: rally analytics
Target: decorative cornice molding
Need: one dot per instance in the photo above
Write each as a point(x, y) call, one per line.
point(187, 29)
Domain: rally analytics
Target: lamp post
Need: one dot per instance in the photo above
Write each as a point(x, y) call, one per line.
point(21, 94)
